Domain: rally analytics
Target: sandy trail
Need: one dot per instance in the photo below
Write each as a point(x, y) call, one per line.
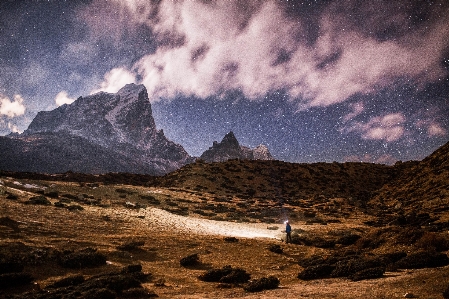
point(154, 218)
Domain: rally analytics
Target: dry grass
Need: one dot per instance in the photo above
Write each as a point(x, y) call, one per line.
point(110, 225)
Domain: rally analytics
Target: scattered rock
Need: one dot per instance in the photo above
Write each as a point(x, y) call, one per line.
point(264, 283)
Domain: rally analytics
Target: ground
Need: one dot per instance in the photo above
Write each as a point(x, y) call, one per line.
point(113, 215)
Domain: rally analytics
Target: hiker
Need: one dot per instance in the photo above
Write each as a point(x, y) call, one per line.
point(288, 230)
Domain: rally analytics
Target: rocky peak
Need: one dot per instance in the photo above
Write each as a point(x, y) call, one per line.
point(229, 148)
point(261, 152)
point(230, 141)
point(121, 123)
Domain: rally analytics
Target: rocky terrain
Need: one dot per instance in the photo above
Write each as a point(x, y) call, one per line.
point(215, 230)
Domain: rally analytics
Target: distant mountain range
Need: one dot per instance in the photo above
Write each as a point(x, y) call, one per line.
point(229, 148)
point(103, 133)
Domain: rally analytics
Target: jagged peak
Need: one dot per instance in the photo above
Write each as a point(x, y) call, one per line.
point(230, 139)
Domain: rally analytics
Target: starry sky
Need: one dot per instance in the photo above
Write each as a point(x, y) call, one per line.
point(323, 80)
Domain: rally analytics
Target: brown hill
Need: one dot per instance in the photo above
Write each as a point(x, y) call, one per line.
point(422, 187)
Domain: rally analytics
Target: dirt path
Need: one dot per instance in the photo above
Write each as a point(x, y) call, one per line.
point(158, 219)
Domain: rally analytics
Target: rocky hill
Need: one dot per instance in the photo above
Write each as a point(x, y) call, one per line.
point(422, 186)
point(229, 148)
point(288, 182)
point(99, 133)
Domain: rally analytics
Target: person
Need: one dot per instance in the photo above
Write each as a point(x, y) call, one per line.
point(288, 230)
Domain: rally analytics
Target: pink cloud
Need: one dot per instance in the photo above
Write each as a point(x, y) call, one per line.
point(209, 48)
point(388, 128)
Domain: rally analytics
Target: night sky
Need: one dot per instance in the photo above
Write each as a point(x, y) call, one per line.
point(349, 80)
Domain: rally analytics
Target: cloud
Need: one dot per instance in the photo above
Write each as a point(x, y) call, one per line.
point(357, 109)
point(13, 128)
point(431, 127)
point(63, 98)
point(11, 108)
point(209, 48)
point(387, 128)
point(115, 79)
point(435, 129)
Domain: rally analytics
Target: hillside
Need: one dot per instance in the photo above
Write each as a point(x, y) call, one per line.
point(423, 187)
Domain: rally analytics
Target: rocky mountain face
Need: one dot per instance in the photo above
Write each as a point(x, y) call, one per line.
point(229, 148)
point(99, 133)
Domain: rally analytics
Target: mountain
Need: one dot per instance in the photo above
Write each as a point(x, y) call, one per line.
point(229, 148)
point(95, 134)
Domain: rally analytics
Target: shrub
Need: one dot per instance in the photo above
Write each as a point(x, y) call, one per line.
point(275, 248)
point(316, 271)
point(433, 241)
point(423, 259)
point(85, 258)
point(225, 275)
point(38, 200)
point(369, 273)
point(131, 245)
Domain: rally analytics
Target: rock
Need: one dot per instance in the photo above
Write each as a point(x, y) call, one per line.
point(264, 283)
point(190, 260)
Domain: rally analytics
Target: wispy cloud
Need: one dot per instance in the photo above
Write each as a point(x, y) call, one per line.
point(116, 79)
point(63, 98)
point(209, 48)
point(387, 128)
point(11, 108)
